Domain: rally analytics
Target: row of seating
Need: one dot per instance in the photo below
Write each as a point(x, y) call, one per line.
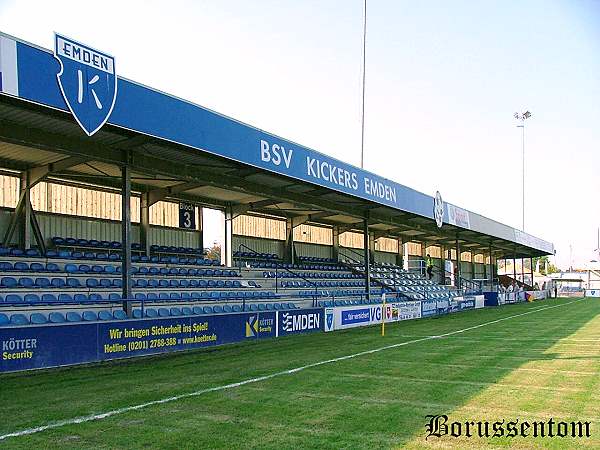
point(20, 319)
point(37, 267)
point(316, 259)
point(92, 283)
point(269, 265)
point(58, 241)
point(314, 275)
point(338, 293)
point(255, 255)
point(304, 284)
point(103, 256)
point(78, 298)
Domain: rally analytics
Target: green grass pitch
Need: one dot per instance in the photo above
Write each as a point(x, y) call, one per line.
point(532, 367)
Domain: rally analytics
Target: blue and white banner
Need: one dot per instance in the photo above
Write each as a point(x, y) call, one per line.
point(592, 292)
point(299, 321)
point(357, 316)
point(35, 347)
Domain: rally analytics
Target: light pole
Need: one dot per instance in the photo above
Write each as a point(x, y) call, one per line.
point(364, 67)
point(522, 117)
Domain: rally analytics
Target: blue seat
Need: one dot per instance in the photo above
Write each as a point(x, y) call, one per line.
point(187, 311)
point(109, 268)
point(78, 298)
point(51, 267)
point(137, 313)
point(140, 296)
point(119, 314)
point(236, 308)
point(5, 266)
point(227, 309)
point(48, 298)
point(117, 283)
point(163, 296)
point(56, 317)
point(105, 282)
point(174, 311)
point(71, 268)
point(21, 267)
point(91, 283)
point(114, 296)
point(97, 269)
point(207, 310)
point(73, 316)
point(38, 319)
point(4, 319)
point(31, 298)
point(57, 283)
point(141, 283)
point(65, 298)
point(73, 283)
point(37, 267)
point(89, 316)
point(19, 319)
point(13, 298)
point(174, 296)
point(42, 282)
point(198, 310)
point(217, 309)
point(151, 296)
point(151, 312)
point(84, 268)
point(26, 282)
point(16, 252)
point(105, 315)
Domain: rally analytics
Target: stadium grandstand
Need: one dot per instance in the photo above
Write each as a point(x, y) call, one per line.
point(104, 182)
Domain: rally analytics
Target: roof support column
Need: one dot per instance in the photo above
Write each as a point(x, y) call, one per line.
point(457, 282)
point(335, 248)
point(372, 247)
point(145, 223)
point(25, 213)
point(126, 238)
point(491, 267)
point(442, 279)
point(405, 260)
point(288, 251)
point(400, 252)
point(227, 251)
point(531, 267)
point(515, 265)
point(367, 257)
point(200, 228)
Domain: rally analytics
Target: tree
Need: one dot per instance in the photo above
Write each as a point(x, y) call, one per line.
point(214, 252)
point(545, 260)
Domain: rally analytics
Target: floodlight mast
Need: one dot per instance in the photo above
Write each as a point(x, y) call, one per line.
point(522, 117)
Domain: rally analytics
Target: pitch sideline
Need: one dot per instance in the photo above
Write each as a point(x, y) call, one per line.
point(90, 418)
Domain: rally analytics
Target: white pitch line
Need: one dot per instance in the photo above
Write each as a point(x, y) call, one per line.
point(90, 418)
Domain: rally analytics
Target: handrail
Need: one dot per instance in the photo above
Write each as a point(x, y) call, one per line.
point(352, 251)
point(277, 267)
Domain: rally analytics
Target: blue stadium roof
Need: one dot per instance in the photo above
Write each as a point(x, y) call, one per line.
point(29, 73)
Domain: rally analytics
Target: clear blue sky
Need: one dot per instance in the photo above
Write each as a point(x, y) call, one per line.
point(443, 80)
